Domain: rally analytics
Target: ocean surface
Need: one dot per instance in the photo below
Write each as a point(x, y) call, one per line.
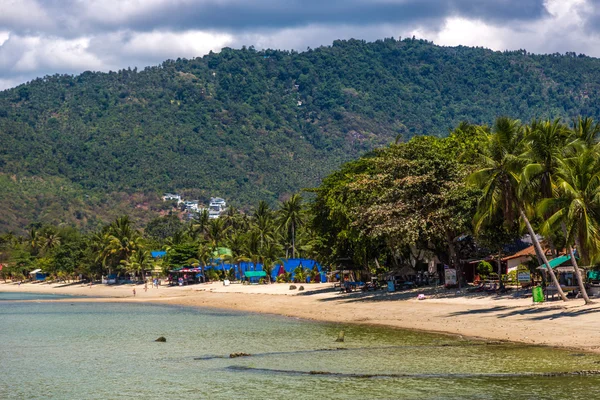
point(72, 350)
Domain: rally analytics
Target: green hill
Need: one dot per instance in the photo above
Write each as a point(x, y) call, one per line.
point(249, 125)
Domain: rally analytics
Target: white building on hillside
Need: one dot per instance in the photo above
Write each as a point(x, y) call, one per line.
point(172, 196)
point(216, 207)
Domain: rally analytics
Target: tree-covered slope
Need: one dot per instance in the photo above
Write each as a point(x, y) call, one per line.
point(250, 125)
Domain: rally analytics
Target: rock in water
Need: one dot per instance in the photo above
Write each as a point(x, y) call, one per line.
point(236, 355)
point(161, 339)
point(340, 337)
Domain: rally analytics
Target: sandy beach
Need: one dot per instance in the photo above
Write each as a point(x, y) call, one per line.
point(492, 317)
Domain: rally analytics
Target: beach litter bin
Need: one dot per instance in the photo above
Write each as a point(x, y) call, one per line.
point(538, 294)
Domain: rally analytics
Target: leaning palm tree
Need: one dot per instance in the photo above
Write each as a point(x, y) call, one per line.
point(291, 217)
point(576, 208)
point(499, 179)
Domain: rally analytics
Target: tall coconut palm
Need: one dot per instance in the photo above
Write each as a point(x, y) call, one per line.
point(586, 130)
point(291, 217)
point(576, 207)
point(50, 240)
point(546, 141)
point(122, 239)
point(199, 224)
point(268, 256)
point(139, 261)
point(499, 179)
point(217, 232)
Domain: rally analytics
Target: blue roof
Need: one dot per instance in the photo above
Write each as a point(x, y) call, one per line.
point(158, 253)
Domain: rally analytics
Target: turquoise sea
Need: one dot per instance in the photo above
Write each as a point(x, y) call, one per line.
point(73, 350)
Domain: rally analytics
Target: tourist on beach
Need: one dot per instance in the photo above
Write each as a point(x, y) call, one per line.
point(145, 286)
point(133, 292)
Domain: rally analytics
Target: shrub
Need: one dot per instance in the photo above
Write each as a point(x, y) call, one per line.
point(212, 275)
point(484, 269)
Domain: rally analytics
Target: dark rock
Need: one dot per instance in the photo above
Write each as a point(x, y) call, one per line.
point(292, 287)
point(236, 355)
point(161, 339)
point(301, 288)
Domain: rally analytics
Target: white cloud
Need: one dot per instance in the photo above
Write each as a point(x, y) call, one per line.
point(560, 31)
point(71, 36)
point(21, 54)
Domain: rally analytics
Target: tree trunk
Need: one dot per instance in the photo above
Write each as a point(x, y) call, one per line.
point(453, 261)
point(500, 283)
point(293, 241)
point(577, 273)
point(540, 251)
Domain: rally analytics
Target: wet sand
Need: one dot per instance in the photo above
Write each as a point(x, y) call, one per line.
point(489, 316)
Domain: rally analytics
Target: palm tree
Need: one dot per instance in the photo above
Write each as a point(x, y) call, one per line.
point(268, 256)
point(576, 207)
point(216, 232)
point(586, 130)
point(291, 217)
point(499, 180)
point(138, 261)
point(204, 256)
point(50, 240)
point(237, 244)
point(546, 143)
point(199, 224)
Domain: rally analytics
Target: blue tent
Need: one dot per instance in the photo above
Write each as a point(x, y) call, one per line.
point(291, 264)
point(158, 253)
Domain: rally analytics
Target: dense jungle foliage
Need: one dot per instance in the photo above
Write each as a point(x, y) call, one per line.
point(253, 125)
point(463, 197)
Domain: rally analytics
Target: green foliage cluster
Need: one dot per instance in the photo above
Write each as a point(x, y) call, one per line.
point(265, 236)
point(453, 197)
point(256, 125)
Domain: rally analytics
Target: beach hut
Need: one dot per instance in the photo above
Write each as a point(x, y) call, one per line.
point(37, 275)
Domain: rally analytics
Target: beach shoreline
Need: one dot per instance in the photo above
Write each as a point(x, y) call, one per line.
point(571, 325)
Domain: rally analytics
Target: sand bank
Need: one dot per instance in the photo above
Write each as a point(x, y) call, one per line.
point(493, 317)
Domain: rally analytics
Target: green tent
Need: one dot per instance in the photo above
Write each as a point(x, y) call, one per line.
point(255, 274)
point(556, 262)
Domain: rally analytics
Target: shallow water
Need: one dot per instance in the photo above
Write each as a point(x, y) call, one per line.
point(106, 351)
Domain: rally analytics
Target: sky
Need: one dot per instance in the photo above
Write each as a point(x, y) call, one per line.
point(45, 37)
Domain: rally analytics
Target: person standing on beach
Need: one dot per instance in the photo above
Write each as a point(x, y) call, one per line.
point(146, 287)
point(133, 292)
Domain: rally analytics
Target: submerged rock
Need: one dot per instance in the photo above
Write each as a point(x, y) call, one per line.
point(340, 337)
point(236, 355)
point(161, 339)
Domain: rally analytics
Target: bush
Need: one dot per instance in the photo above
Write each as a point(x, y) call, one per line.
point(212, 275)
point(484, 269)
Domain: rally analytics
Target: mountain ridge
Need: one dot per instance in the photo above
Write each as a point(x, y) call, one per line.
point(250, 125)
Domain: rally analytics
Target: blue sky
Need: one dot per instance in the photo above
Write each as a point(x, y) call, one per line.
point(40, 37)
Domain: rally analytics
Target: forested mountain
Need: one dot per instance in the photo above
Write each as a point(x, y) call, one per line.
point(249, 125)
